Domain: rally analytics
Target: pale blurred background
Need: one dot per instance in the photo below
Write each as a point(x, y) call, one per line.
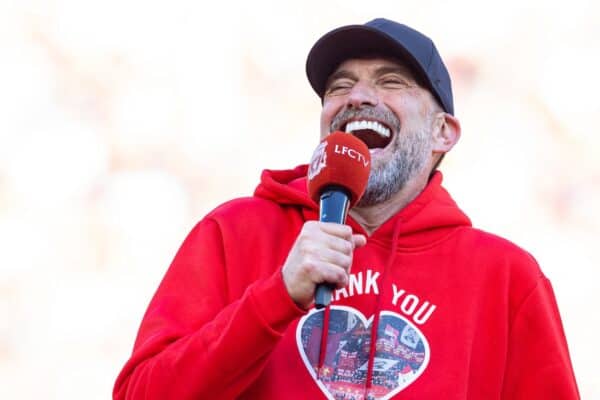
point(124, 122)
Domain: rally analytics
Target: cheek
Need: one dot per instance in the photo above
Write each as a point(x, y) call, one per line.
point(328, 112)
point(408, 103)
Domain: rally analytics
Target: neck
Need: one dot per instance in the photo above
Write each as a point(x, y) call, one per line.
point(372, 217)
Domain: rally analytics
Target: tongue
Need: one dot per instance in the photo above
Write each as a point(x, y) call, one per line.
point(371, 138)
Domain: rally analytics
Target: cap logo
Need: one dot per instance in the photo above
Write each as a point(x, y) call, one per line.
point(318, 161)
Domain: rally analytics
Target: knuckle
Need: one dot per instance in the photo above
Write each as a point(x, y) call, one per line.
point(347, 247)
point(312, 269)
point(346, 231)
point(304, 246)
point(311, 225)
point(331, 277)
point(346, 262)
point(343, 246)
point(342, 278)
point(309, 266)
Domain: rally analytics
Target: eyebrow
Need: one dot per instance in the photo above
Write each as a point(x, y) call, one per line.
point(393, 69)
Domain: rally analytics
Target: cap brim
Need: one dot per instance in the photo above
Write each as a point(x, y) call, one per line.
point(353, 41)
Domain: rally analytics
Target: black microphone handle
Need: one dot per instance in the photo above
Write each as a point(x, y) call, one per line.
point(333, 207)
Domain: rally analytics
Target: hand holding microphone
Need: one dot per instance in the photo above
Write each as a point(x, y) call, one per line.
point(321, 257)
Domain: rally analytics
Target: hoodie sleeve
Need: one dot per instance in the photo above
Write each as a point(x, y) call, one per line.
point(194, 342)
point(538, 363)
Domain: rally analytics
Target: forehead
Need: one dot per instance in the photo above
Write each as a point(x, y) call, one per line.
point(373, 65)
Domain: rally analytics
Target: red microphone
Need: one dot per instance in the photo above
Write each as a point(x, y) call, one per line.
point(337, 178)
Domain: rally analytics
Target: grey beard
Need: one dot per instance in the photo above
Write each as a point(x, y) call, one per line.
point(410, 151)
point(410, 155)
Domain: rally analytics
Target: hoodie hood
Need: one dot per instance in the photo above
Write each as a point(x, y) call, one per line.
point(285, 187)
point(425, 221)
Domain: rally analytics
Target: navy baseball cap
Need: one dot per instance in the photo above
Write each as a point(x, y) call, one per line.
point(386, 38)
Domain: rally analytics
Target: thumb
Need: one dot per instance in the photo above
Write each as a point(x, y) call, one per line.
point(358, 240)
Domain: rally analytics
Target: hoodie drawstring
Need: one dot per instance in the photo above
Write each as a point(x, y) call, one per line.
point(323, 347)
point(375, 325)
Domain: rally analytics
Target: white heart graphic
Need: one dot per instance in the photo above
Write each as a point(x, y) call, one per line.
point(402, 353)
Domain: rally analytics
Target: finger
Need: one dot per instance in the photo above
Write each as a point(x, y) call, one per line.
point(336, 258)
point(324, 272)
point(339, 230)
point(338, 244)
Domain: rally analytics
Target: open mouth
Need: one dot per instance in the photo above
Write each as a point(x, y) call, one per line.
point(373, 133)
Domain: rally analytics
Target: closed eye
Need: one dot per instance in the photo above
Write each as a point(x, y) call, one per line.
point(340, 86)
point(394, 82)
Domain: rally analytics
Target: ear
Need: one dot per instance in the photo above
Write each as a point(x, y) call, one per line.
point(446, 132)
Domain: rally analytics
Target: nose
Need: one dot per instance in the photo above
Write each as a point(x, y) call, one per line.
point(362, 94)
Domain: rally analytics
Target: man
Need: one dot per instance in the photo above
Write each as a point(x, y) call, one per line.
point(426, 306)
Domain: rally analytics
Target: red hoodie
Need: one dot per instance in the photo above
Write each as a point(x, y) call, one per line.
point(458, 313)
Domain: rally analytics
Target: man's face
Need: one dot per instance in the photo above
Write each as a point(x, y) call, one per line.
point(379, 101)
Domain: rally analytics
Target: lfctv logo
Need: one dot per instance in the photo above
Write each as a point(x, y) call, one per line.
point(352, 153)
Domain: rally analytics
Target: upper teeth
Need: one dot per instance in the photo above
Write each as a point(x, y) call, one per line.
point(372, 125)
